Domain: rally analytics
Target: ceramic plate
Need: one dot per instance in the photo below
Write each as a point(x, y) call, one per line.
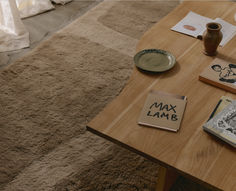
point(154, 60)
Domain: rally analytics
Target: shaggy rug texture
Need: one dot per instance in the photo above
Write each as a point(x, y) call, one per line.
point(48, 97)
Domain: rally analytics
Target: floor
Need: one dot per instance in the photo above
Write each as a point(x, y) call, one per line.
point(42, 26)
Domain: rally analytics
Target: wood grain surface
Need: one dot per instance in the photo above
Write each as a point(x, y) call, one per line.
point(191, 151)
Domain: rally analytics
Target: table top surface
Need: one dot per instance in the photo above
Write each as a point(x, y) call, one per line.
point(191, 151)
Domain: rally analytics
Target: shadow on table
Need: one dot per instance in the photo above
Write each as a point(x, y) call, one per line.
point(184, 184)
point(171, 72)
point(226, 58)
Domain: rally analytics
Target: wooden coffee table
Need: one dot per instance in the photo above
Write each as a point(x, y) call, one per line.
point(190, 152)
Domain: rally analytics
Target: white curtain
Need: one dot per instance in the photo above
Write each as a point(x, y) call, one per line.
point(13, 34)
point(29, 8)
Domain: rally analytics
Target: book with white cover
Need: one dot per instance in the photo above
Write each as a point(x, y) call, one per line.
point(223, 124)
point(194, 25)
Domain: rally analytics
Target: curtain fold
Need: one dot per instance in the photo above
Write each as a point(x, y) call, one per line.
point(13, 34)
point(28, 8)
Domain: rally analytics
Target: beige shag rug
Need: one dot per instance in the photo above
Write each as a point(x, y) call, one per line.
point(48, 97)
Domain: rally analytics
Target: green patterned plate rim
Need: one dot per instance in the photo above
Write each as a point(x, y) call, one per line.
point(154, 60)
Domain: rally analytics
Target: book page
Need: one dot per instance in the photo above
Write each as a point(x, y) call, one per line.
point(228, 31)
point(192, 24)
point(223, 102)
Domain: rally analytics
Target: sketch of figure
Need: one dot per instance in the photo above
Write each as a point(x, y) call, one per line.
point(226, 74)
point(231, 121)
point(228, 123)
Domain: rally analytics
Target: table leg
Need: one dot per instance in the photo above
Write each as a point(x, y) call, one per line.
point(166, 178)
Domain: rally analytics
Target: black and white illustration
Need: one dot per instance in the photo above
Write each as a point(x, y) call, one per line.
point(228, 122)
point(223, 125)
point(220, 73)
point(227, 73)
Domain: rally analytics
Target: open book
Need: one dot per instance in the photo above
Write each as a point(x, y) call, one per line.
point(194, 25)
point(222, 122)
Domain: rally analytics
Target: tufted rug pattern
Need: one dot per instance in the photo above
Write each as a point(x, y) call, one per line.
point(48, 97)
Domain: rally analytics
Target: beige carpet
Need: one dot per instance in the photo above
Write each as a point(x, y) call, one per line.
point(48, 97)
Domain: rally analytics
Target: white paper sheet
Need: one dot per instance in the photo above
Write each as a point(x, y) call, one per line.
point(194, 25)
point(13, 34)
point(228, 31)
